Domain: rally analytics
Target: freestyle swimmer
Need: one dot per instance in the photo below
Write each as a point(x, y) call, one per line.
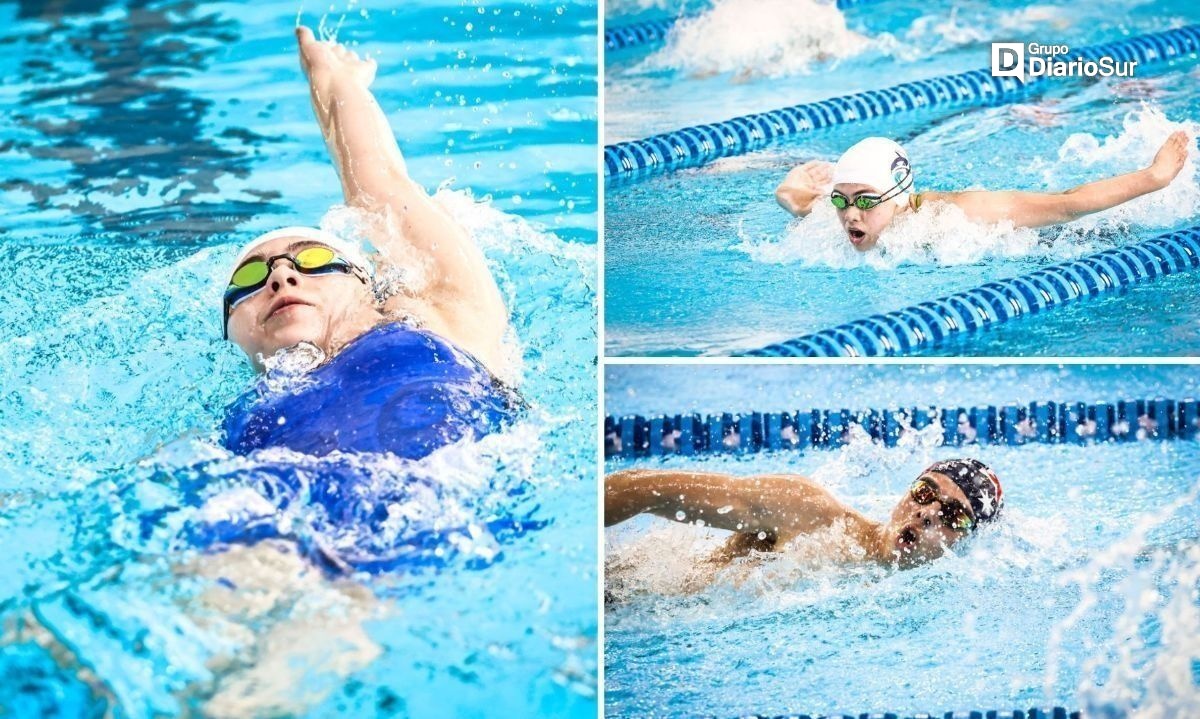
point(873, 184)
point(948, 502)
point(404, 372)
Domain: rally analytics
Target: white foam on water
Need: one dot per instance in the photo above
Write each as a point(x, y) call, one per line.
point(940, 234)
point(932, 34)
point(1143, 597)
point(758, 38)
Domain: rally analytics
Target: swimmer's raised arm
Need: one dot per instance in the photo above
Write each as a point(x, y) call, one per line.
point(780, 505)
point(459, 298)
point(803, 186)
point(1033, 209)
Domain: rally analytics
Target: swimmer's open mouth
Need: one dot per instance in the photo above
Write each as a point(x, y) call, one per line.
point(281, 304)
point(856, 236)
point(907, 537)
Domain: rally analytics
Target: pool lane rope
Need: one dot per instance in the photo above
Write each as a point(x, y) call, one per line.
point(1053, 713)
point(635, 34)
point(927, 324)
point(1130, 420)
point(702, 144)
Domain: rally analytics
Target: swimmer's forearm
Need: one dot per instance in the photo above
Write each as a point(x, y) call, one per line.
point(774, 504)
point(361, 144)
point(796, 204)
point(374, 177)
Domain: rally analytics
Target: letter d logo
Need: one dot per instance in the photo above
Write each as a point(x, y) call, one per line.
point(1008, 60)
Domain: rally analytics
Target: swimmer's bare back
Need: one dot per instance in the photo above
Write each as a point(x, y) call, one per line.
point(454, 294)
point(807, 184)
point(763, 512)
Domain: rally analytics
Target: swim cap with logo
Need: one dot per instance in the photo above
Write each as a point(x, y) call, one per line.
point(978, 482)
point(880, 163)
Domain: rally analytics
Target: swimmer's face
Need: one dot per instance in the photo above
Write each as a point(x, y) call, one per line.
point(916, 531)
point(327, 310)
point(863, 227)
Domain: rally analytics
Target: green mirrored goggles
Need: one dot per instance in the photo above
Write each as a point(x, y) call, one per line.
point(862, 202)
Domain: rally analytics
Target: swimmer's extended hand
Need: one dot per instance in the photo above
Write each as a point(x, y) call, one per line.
point(803, 186)
point(1170, 158)
point(328, 64)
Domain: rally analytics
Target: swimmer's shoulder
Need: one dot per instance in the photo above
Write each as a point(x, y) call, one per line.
point(917, 200)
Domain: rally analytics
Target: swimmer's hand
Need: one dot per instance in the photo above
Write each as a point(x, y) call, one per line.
point(803, 186)
point(1169, 160)
point(329, 65)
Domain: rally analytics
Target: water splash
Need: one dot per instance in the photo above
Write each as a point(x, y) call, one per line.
point(1132, 635)
point(758, 38)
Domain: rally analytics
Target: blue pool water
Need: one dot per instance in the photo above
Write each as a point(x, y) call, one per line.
point(737, 275)
point(1082, 596)
point(142, 143)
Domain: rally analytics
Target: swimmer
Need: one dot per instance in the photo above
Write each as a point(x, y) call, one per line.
point(947, 503)
point(398, 351)
point(873, 184)
point(404, 372)
point(401, 372)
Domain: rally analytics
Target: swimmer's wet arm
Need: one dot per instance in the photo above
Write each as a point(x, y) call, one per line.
point(781, 505)
point(803, 186)
point(460, 289)
point(1033, 209)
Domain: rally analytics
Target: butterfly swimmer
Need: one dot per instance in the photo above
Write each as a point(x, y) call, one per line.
point(873, 183)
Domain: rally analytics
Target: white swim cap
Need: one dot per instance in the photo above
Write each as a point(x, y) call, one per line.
point(880, 163)
point(351, 253)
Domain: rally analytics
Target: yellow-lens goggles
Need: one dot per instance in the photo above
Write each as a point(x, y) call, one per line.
point(255, 272)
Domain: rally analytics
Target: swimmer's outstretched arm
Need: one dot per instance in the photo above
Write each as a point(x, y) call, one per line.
point(802, 187)
point(1033, 209)
point(782, 506)
point(461, 300)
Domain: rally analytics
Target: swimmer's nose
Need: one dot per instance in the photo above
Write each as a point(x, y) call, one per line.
point(283, 274)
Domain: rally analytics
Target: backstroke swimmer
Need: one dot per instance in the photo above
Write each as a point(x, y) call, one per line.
point(401, 351)
point(947, 503)
point(873, 184)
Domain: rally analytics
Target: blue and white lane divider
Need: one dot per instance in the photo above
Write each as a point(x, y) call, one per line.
point(903, 331)
point(702, 144)
point(638, 33)
point(1128, 420)
point(635, 34)
point(1053, 713)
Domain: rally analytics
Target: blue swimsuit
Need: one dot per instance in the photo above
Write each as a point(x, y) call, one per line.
point(393, 389)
